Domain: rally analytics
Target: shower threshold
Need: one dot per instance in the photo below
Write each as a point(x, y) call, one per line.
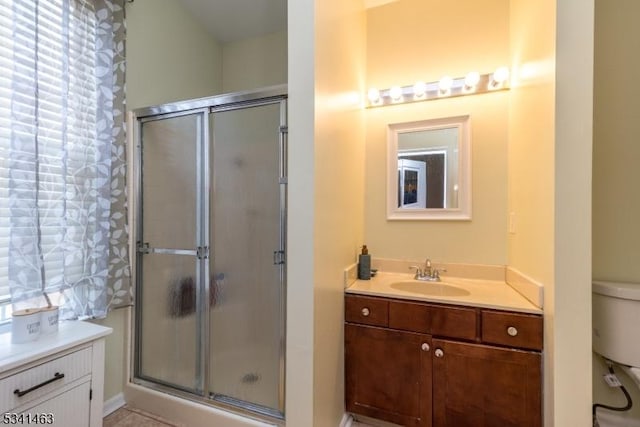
point(153, 396)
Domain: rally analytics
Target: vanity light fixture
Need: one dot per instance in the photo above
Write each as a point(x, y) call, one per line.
point(396, 94)
point(499, 77)
point(447, 87)
point(471, 80)
point(419, 90)
point(374, 96)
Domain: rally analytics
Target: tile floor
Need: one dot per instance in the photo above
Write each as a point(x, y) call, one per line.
point(130, 417)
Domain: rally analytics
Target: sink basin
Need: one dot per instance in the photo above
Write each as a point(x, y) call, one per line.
point(430, 288)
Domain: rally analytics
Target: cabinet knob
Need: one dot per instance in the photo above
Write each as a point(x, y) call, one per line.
point(365, 312)
point(512, 331)
point(439, 352)
point(425, 346)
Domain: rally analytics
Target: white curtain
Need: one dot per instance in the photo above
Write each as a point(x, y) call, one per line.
point(65, 91)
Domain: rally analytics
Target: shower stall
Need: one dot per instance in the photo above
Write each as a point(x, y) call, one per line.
point(210, 195)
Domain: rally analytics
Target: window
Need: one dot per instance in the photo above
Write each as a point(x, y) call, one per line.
point(48, 125)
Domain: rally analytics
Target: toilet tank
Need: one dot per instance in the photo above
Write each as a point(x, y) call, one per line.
point(616, 321)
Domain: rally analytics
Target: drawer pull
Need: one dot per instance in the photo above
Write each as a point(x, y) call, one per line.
point(365, 312)
point(57, 376)
point(425, 346)
point(439, 352)
point(512, 331)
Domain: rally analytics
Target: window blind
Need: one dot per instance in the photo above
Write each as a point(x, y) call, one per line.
point(48, 126)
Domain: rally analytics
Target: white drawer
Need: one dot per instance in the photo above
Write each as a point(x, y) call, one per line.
point(42, 379)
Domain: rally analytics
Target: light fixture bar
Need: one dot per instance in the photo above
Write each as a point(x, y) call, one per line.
point(444, 88)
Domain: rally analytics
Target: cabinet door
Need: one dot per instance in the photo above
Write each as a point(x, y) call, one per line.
point(481, 386)
point(69, 409)
point(388, 375)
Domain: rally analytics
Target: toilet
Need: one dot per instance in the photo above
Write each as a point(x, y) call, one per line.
point(616, 324)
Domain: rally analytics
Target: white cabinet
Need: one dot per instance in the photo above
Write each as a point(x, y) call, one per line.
point(66, 408)
point(56, 380)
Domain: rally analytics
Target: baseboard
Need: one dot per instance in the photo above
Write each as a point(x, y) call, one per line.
point(347, 420)
point(113, 404)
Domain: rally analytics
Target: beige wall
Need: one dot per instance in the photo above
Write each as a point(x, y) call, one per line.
point(115, 352)
point(339, 190)
point(550, 188)
point(616, 205)
point(170, 57)
point(326, 161)
point(409, 41)
point(254, 63)
point(531, 138)
point(531, 160)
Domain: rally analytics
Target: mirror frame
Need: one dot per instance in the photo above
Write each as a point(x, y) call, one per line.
point(463, 211)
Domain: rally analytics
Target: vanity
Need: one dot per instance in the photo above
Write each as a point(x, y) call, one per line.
point(456, 353)
point(57, 379)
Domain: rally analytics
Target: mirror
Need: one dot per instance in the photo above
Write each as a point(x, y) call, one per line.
point(429, 169)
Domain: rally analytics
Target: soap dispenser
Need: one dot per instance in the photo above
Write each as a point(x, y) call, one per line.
point(364, 264)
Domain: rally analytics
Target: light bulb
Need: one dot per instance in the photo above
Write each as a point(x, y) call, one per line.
point(373, 95)
point(500, 75)
point(445, 83)
point(395, 93)
point(472, 79)
point(419, 89)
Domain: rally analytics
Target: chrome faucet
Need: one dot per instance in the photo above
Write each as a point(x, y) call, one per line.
point(427, 268)
point(428, 273)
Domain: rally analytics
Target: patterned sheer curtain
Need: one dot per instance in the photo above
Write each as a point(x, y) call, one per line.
point(65, 154)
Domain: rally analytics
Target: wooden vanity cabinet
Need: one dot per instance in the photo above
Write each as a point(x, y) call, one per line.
point(476, 385)
point(393, 391)
point(425, 364)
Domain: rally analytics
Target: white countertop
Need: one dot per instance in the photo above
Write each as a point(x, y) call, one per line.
point(494, 294)
point(70, 334)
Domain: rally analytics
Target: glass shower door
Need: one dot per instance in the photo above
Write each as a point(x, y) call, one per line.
point(247, 262)
point(170, 256)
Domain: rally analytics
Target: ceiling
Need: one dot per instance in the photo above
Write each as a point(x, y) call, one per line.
point(232, 20)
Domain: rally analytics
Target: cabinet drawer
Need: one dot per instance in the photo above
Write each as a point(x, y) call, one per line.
point(73, 366)
point(366, 311)
point(453, 322)
point(511, 329)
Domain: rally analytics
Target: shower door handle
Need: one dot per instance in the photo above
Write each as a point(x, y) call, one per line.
point(278, 257)
point(202, 252)
point(145, 248)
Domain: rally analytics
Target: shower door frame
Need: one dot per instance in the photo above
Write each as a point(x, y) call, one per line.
point(271, 95)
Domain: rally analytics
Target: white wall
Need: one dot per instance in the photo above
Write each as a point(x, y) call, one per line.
point(616, 205)
point(570, 305)
point(301, 213)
